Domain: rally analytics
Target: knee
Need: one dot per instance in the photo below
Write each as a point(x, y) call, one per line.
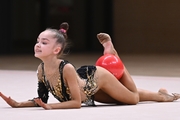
point(135, 99)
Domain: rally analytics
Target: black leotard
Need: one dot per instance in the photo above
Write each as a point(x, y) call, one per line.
point(61, 90)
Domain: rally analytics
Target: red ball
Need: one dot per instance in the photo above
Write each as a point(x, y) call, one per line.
point(111, 63)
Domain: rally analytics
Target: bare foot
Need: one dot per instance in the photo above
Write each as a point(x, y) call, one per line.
point(176, 96)
point(166, 97)
point(103, 37)
point(105, 40)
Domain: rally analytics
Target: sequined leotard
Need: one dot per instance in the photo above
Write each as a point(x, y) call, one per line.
point(61, 91)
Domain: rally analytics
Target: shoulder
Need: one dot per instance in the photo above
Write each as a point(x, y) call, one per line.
point(69, 67)
point(66, 65)
point(69, 70)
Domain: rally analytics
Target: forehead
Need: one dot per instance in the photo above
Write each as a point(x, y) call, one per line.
point(46, 34)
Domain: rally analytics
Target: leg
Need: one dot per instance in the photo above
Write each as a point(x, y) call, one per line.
point(144, 95)
point(103, 97)
point(126, 79)
point(111, 90)
point(105, 40)
point(160, 96)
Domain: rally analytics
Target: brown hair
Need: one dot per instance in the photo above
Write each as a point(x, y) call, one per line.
point(61, 36)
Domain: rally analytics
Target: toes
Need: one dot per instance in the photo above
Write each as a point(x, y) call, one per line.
point(103, 37)
point(100, 36)
point(166, 97)
point(176, 96)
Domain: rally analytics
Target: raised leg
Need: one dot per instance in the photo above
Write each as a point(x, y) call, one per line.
point(126, 78)
point(106, 42)
point(144, 95)
point(112, 91)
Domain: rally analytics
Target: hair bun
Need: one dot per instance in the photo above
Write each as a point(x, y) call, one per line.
point(64, 26)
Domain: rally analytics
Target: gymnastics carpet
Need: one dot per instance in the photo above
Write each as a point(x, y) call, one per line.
point(22, 85)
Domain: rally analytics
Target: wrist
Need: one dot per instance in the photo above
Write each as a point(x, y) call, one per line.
point(33, 102)
point(17, 105)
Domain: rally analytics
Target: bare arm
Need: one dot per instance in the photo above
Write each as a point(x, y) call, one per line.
point(70, 76)
point(42, 93)
point(16, 104)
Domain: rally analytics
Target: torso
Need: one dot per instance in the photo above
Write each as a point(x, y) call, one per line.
point(54, 81)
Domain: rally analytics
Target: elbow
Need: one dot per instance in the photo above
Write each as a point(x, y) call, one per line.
point(77, 106)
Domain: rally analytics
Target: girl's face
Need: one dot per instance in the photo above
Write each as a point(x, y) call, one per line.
point(46, 45)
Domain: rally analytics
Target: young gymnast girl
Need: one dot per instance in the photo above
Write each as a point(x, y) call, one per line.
point(73, 87)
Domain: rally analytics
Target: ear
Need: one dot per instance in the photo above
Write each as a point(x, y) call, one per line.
point(57, 50)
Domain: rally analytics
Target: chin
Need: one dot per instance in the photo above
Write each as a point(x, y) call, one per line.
point(36, 55)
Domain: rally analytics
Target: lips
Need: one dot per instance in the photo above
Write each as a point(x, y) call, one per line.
point(37, 50)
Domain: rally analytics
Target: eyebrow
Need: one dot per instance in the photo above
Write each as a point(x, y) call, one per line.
point(44, 39)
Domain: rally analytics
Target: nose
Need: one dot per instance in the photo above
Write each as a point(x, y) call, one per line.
point(37, 44)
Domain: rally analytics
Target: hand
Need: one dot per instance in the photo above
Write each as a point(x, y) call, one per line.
point(9, 101)
point(42, 104)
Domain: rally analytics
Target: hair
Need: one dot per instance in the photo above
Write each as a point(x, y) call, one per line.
point(61, 36)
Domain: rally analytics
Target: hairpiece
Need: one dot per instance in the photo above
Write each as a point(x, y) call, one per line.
point(62, 30)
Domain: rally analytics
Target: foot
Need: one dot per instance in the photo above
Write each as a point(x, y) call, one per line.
point(176, 96)
point(166, 97)
point(103, 37)
point(105, 40)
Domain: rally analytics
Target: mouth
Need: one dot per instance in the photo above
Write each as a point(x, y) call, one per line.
point(37, 50)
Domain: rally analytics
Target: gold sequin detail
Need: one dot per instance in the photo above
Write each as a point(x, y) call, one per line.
point(56, 90)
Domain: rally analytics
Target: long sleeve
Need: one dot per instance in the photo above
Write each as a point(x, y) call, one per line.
point(43, 92)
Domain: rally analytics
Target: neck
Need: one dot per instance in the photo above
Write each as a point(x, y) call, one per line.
point(51, 64)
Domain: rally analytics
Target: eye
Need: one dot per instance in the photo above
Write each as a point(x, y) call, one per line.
point(44, 43)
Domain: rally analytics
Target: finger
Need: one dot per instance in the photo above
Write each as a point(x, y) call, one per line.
point(37, 100)
point(4, 97)
point(41, 102)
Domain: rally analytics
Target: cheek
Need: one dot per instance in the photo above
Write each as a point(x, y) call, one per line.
point(35, 46)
